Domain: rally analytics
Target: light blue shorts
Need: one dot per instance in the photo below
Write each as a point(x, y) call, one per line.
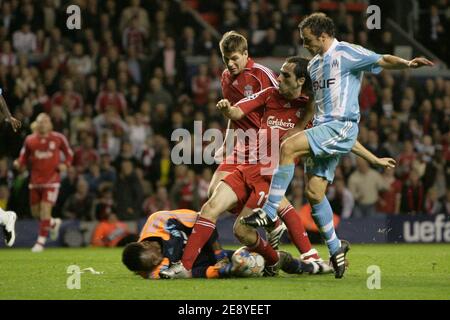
point(328, 142)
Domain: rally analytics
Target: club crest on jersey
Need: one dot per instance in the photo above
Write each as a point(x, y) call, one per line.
point(335, 64)
point(276, 123)
point(287, 105)
point(248, 90)
point(52, 145)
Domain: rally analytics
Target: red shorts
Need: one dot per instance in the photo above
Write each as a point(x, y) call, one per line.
point(43, 194)
point(250, 187)
point(227, 167)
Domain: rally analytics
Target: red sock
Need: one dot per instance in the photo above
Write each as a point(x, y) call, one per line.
point(297, 232)
point(263, 248)
point(201, 233)
point(44, 227)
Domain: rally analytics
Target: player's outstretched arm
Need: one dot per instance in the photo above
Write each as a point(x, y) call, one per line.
point(388, 61)
point(360, 150)
point(16, 124)
point(231, 112)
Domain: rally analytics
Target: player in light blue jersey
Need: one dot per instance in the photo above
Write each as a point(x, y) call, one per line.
point(336, 70)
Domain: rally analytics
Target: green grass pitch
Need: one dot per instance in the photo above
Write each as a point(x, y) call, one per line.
point(407, 272)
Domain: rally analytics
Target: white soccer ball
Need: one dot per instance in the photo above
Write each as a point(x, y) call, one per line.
point(247, 264)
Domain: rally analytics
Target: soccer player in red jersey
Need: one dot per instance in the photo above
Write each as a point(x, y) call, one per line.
point(8, 218)
point(41, 153)
point(241, 79)
point(283, 110)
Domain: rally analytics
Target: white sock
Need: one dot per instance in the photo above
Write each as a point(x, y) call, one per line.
point(42, 240)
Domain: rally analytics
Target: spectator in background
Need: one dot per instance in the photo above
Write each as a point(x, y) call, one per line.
point(86, 154)
point(267, 45)
point(110, 98)
point(135, 12)
point(107, 171)
point(157, 202)
point(367, 98)
point(126, 154)
point(406, 159)
point(24, 40)
point(201, 84)
point(203, 184)
point(183, 193)
point(433, 205)
point(206, 44)
point(392, 145)
point(138, 131)
point(80, 61)
point(79, 205)
point(158, 94)
point(68, 99)
point(446, 203)
point(434, 27)
point(365, 184)
point(341, 199)
point(389, 200)
point(187, 44)
point(104, 205)
point(134, 36)
point(412, 196)
point(111, 232)
point(7, 19)
point(128, 193)
point(386, 46)
point(7, 57)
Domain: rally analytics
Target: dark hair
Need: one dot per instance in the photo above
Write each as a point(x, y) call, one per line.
point(131, 256)
point(232, 42)
point(318, 23)
point(301, 70)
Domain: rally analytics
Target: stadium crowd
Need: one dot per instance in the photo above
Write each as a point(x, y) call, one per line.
point(118, 87)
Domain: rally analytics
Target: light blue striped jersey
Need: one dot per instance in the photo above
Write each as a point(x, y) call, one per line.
point(336, 77)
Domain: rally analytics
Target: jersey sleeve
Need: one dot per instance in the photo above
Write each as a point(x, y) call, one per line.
point(358, 58)
point(267, 77)
point(254, 101)
point(65, 148)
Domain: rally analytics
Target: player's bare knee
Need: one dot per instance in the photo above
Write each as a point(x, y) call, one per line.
point(287, 150)
point(314, 196)
point(209, 210)
point(243, 233)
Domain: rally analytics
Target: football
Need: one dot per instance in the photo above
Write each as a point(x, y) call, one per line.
point(247, 264)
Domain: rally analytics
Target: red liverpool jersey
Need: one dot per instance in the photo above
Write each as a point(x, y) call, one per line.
point(42, 155)
point(254, 78)
point(279, 116)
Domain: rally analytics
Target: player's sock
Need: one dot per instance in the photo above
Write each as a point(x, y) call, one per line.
point(201, 233)
point(280, 182)
point(296, 230)
point(44, 227)
point(262, 247)
point(323, 217)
